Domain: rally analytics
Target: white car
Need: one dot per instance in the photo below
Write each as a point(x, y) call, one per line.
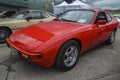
point(117, 16)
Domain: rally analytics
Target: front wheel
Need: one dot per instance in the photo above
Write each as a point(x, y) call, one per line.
point(4, 34)
point(68, 55)
point(111, 38)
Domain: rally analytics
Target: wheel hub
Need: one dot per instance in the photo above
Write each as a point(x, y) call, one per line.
point(3, 34)
point(70, 56)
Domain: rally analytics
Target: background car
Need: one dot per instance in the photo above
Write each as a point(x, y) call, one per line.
point(22, 19)
point(60, 42)
point(7, 13)
point(117, 16)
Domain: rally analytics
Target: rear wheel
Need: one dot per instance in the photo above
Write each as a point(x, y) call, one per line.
point(111, 38)
point(4, 34)
point(68, 55)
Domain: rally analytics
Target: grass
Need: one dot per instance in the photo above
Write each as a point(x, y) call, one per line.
point(115, 12)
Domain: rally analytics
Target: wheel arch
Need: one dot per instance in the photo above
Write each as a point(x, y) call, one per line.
point(7, 32)
point(115, 29)
point(7, 28)
point(77, 40)
point(71, 39)
point(74, 39)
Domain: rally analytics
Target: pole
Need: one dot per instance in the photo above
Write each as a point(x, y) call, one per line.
point(53, 3)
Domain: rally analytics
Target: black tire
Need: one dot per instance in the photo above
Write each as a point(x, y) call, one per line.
point(4, 34)
point(68, 55)
point(111, 38)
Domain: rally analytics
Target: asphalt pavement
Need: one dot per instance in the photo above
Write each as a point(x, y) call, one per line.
point(99, 63)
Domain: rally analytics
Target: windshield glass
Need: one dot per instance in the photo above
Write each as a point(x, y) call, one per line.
point(2, 13)
point(19, 15)
point(81, 16)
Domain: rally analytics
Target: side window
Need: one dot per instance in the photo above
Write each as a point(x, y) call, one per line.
point(10, 13)
point(6, 14)
point(101, 16)
point(35, 15)
point(44, 15)
point(108, 17)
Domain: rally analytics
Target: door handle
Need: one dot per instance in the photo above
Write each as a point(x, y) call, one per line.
point(41, 21)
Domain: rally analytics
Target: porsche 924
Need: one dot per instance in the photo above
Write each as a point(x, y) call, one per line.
point(60, 42)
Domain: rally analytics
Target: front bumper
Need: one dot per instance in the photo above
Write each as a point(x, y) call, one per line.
point(37, 58)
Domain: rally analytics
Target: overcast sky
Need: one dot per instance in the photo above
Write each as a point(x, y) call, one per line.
point(106, 4)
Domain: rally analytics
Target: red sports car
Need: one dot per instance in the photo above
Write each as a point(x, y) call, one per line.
point(60, 42)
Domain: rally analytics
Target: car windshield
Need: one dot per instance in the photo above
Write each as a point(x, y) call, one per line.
point(2, 13)
point(80, 16)
point(19, 15)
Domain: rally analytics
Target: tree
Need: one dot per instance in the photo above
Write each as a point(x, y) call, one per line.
point(69, 1)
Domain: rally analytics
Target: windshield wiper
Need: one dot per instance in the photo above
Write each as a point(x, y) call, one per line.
point(68, 20)
point(63, 19)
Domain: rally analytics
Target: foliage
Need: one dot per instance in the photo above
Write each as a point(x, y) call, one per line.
point(69, 1)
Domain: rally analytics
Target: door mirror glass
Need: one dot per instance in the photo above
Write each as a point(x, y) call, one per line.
point(28, 18)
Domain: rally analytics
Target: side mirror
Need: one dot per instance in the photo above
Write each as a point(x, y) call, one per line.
point(101, 22)
point(28, 18)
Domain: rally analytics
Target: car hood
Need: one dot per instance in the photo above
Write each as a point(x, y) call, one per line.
point(59, 27)
point(25, 42)
point(35, 35)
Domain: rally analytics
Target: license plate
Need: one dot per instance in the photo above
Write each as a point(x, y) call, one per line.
point(13, 50)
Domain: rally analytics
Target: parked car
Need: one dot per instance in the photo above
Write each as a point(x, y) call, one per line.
point(117, 16)
point(22, 19)
point(60, 42)
point(7, 13)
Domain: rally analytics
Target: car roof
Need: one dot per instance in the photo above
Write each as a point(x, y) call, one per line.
point(32, 10)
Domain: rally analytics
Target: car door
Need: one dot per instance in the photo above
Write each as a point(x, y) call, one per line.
point(37, 17)
point(103, 28)
point(99, 31)
point(109, 25)
point(106, 28)
point(30, 18)
point(34, 17)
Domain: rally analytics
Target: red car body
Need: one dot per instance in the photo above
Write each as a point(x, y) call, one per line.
point(40, 43)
